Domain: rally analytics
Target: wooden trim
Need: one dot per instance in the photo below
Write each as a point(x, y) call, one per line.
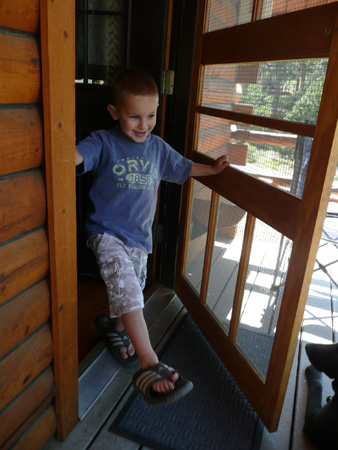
point(209, 246)
point(58, 77)
point(196, 82)
point(166, 63)
point(289, 36)
point(241, 278)
point(263, 201)
point(281, 125)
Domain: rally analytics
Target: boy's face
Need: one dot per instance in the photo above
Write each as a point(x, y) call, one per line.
point(136, 115)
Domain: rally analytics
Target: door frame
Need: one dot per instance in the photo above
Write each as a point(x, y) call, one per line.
point(57, 22)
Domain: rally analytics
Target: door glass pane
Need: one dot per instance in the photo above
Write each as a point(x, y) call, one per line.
point(105, 47)
point(277, 158)
point(276, 7)
point(267, 270)
point(228, 242)
point(283, 90)
point(199, 220)
point(229, 13)
point(106, 5)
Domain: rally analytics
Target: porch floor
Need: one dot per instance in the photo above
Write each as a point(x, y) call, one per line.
point(163, 312)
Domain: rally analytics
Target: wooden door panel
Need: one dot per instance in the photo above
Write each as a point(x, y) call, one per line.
point(247, 288)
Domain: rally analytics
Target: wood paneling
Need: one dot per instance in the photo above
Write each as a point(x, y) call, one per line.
point(26, 408)
point(22, 263)
point(23, 315)
point(303, 36)
point(20, 15)
point(40, 433)
point(21, 139)
point(19, 70)
point(24, 364)
point(22, 204)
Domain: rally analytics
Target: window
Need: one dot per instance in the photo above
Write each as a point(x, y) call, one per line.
point(101, 39)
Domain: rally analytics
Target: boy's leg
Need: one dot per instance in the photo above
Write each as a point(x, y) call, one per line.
point(110, 255)
point(137, 330)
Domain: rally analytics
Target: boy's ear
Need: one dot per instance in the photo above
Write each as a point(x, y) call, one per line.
point(113, 112)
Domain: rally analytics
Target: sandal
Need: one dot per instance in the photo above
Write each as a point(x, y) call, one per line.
point(114, 340)
point(143, 379)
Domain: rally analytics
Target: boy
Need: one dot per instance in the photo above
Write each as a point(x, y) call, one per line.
point(128, 164)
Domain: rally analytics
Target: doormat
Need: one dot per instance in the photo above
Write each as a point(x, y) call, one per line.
point(215, 415)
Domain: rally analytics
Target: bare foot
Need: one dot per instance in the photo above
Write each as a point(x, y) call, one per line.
point(126, 352)
point(165, 385)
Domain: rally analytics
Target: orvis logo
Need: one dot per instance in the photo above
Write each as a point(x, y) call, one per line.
point(135, 173)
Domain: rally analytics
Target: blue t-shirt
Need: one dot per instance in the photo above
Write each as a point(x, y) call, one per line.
point(126, 179)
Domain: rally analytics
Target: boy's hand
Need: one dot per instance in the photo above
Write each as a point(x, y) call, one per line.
point(201, 170)
point(220, 164)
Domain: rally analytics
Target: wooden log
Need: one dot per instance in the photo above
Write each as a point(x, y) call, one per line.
point(238, 154)
point(23, 315)
point(40, 433)
point(22, 263)
point(265, 137)
point(19, 70)
point(21, 146)
point(20, 15)
point(24, 364)
point(211, 138)
point(22, 204)
point(26, 408)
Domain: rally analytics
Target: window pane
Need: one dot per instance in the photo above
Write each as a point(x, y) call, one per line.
point(277, 158)
point(229, 13)
point(284, 90)
point(199, 220)
point(228, 242)
point(106, 5)
point(276, 7)
point(267, 270)
point(105, 46)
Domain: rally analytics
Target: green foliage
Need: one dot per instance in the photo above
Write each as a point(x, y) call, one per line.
point(285, 90)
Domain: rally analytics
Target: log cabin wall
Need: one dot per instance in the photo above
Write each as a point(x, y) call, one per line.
point(35, 397)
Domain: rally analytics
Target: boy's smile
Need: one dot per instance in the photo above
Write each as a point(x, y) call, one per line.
point(136, 115)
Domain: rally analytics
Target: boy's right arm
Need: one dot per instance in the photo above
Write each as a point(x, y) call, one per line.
point(78, 158)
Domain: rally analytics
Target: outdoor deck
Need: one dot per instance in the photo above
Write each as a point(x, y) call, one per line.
point(163, 312)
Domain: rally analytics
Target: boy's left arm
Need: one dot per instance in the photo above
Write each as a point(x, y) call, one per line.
point(201, 170)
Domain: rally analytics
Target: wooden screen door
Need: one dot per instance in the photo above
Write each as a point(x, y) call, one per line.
point(264, 91)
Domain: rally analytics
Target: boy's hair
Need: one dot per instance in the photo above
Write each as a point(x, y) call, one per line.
point(132, 81)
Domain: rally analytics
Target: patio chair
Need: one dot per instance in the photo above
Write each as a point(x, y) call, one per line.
point(329, 237)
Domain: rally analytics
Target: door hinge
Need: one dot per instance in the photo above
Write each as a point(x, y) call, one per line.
point(167, 86)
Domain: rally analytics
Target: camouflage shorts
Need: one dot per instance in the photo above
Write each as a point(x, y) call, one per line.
point(124, 271)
